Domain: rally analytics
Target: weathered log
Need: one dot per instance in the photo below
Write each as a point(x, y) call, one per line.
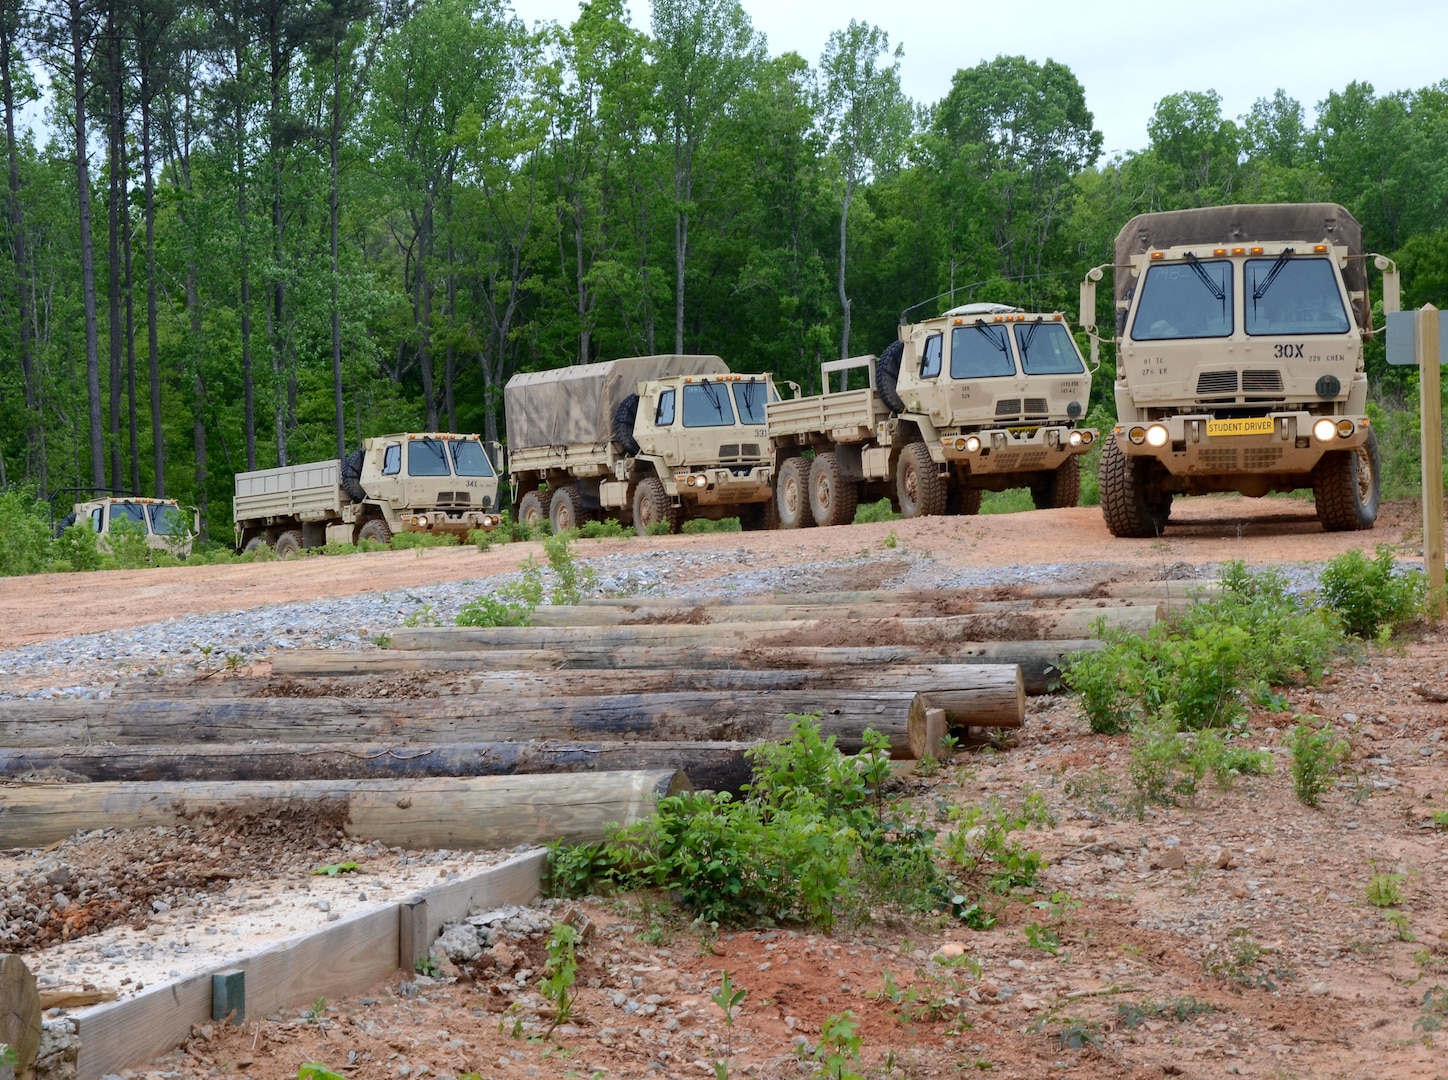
point(478, 812)
point(20, 1027)
point(716, 765)
point(1134, 590)
point(1039, 661)
point(685, 716)
point(1013, 626)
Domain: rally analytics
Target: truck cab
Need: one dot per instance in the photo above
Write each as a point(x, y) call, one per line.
point(166, 525)
point(430, 482)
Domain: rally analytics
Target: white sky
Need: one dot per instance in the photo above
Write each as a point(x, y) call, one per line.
point(1243, 49)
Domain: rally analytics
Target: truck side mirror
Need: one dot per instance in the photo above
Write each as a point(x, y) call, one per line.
point(1088, 299)
point(1392, 284)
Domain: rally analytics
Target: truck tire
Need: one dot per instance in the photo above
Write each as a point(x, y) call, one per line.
point(289, 544)
point(563, 513)
point(887, 376)
point(623, 425)
point(1128, 507)
point(791, 495)
point(960, 499)
point(255, 544)
point(1059, 488)
point(65, 523)
point(352, 475)
point(1346, 487)
point(759, 517)
point(651, 504)
point(832, 498)
point(922, 490)
point(376, 529)
point(533, 508)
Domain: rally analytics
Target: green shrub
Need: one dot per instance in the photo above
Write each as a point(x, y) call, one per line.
point(570, 580)
point(608, 529)
point(1317, 754)
point(78, 547)
point(404, 540)
point(24, 534)
point(1371, 596)
point(696, 526)
point(129, 549)
point(494, 611)
point(867, 513)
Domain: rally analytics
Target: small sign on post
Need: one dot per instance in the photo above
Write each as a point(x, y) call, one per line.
point(1417, 337)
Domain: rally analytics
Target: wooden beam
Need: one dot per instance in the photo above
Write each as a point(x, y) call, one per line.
point(19, 1013)
point(1136, 590)
point(481, 812)
point(1040, 661)
point(341, 958)
point(720, 766)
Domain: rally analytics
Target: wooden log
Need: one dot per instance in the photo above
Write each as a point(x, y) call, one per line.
point(738, 715)
point(996, 626)
point(715, 765)
point(937, 730)
point(479, 812)
point(19, 1012)
point(1039, 661)
point(1134, 590)
point(705, 614)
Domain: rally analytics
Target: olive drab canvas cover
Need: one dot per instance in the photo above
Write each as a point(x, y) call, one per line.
point(1311, 223)
point(576, 405)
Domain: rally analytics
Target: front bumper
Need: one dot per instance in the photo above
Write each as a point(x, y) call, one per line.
point(441, 521)
point(1016, 449)
point(1281, 442)
point(720, 486)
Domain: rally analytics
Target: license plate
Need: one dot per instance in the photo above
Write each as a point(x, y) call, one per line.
point(1256, 425)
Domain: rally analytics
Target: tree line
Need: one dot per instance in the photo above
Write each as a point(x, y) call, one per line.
point(254, 231)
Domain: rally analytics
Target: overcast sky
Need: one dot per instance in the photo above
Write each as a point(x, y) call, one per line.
point(1243, 49)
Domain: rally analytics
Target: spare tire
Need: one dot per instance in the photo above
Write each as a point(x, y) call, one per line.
point(65, 523)
point(623, 424)
point(887, 375)
point(352, 475)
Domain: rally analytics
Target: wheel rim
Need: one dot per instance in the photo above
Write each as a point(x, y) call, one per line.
point(790, 488)
point(823, 494)
point(564, 514)
point(910, 493)
point(1363, 474)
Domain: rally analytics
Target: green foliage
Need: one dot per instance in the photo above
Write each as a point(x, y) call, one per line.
point(559, 972)
point(313, 1071)
point(881, 510)
point(728, 997)
point(1385, 890)
point(1434, 1010)
point(333, 869)
point(1370, 595)
point(702, 526)
point(838, 1052)
point(570, 580)
point(78, 548)
point(1317, 754)
point(1179, 1009)
point(24, 534)
point(600, 530)
point(1010, 501)
point(1043, 938)
point(1237, 960)
point(128, 546)
point(409, 539)
point(492, 610)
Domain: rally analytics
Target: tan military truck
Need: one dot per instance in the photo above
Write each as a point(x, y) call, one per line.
point(411, 482)
point(1239, 337)
point(167, 526)
point(985, 397)
point(642, 439)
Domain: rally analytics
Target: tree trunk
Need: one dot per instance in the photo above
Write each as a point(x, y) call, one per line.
point(34, 421)
point(153, 346)
point(844, 296)
point(87, 252)
point(485, 812)
point(248, 382)
point(115, 193)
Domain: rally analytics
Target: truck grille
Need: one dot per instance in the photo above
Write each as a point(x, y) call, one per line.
point(1213, 383)
point(448, 499)
point(729, 450)
point(1252, 459)
point(1008, 407)
point(1261, 382)
point(1261, 457)
point(738, 452)
point(1019, 460)
point(1035, 406)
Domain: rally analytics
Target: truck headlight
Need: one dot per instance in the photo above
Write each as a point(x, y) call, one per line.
point(1137, 435)
point(1346, 427)
point(422, 520)
point(972, 444)
point(1324, 430)
point(1075, 438)
point(1157, 435)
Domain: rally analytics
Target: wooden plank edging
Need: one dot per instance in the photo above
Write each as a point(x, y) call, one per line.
point(341, 958)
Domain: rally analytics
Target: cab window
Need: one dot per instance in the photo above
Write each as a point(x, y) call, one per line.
point(470, 460)
point(97, 518)
point(980, 352)
point(135, 513)
point(706, 404)
point(1184, 300)
point(167, 519)
point(750, 398)
point(427, 457)
point(930, 356)
point(392, 460)
point(664, 416)
point(1292, 296)
point(1047, 349)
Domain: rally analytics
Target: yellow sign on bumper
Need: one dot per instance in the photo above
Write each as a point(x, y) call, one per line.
point(1252, 425)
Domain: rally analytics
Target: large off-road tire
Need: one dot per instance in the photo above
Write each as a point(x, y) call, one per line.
point(623, 425)
point(791, 494)
point(255, 544)
point(65, 523)
point(1345, 485)
point(921, 489)
point(1127, 505)
point(533, 508)
point(352, 475)
point(887, 375)
point(289, 544)
point(759, 517)
point(1061, 487)
point(563, 511)
point(832, 498)
point(376, 529)
point(651, 504)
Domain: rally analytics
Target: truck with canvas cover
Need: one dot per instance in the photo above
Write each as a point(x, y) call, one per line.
point(411, 482)
point(167, 527)
point(642, 439)
point(985, 397)
point(1239, 361)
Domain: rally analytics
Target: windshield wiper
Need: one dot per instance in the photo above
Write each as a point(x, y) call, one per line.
point(713, 395)
point(998, 340)
point(1218, 293)
point(1261, 290)
point(1026, 341)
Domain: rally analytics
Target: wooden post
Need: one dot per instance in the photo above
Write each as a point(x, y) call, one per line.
point(19, 1012)
point(1430, 379)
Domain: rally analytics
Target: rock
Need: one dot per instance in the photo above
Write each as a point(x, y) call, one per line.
point(1170, 859)
point(950, 950)
point(502, 957)
point(459, 941)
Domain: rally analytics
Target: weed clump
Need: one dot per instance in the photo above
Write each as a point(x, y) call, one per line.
point(1371, 596)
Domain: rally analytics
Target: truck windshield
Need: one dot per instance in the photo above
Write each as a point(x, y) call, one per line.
point(167, 519)
point(750, 398)
point(1184, 300)
point(427, 457)
point(127, 511)
point(706, 404)
point(470, 460)
point(1292, 296)
point(980, 352)
point(1047, 349)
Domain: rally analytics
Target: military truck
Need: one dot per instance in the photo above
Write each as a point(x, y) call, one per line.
point(411, 482)
point(1239, 336)
point(985, 397)
point(167, 526)
point(642, 439)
